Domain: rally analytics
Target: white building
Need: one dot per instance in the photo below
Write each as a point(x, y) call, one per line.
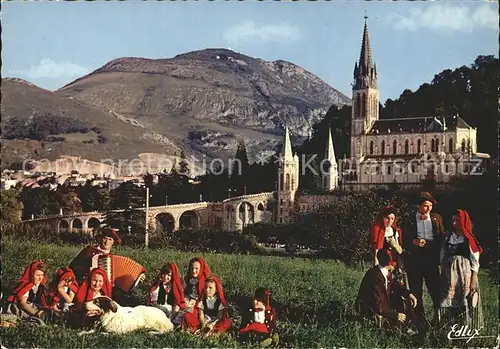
point(403, 150)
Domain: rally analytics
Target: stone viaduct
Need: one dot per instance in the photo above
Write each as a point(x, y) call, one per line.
point(229, 215)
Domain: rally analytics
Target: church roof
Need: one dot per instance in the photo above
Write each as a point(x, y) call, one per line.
point(417, 125)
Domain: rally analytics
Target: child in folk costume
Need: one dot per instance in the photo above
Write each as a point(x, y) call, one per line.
point(62, 290)
point(28, 299)
point(460, 301)
point(210, 313)
point(96, 285)
point(194, 281)
point(386, 234)
point(260, 320)
point(167, 292)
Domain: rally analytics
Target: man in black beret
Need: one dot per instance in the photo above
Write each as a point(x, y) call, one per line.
point(422, 242)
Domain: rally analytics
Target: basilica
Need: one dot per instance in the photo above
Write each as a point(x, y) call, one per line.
point(406, 151)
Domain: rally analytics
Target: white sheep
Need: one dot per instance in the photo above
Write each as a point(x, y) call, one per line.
point(119, 320)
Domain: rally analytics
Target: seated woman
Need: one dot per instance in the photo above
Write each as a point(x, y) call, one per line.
point(62, 290)
point(28, 298)
point(460, 301)
point(87, 258)
point(194, 281)
point(167, 292)
point(210, 314)
point(86, 311)
point(373, 300)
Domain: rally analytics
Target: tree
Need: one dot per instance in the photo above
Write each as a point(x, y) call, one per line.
point(39, 202)
point(184, 165)
point(123, 212)
point(11, 207)
point(69, 201)
point(240, 169)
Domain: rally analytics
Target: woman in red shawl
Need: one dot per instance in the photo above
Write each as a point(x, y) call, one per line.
point(210, 312)
point(194, 281)
point(167, 292)
point(386, 234)
point(96, 285)
point(63, 289)
point(460, 301)
point(28, 298)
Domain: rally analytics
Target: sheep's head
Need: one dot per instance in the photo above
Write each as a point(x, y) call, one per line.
point(106, 304)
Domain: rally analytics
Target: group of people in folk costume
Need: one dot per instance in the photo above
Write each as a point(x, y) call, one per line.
point(195, 303)
point(391, 292)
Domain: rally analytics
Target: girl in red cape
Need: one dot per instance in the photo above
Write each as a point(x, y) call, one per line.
point(210, 312)
point(166, 291)
point(386, 234)
point(260, 320)
point(96, 285)
point(194, 281)
point(28, 298)
point(62, 289)
point(460, 301)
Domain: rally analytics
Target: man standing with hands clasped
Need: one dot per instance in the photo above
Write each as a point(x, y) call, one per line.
point(422, 243)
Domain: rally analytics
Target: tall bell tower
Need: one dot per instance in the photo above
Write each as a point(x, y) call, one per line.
point(365, 94)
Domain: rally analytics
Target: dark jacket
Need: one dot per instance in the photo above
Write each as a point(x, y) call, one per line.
point(410, 231)
point(374, 298)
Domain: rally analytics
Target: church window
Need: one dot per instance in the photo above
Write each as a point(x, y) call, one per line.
point(389, 169)
point(469, 146)
point(281, 181)
point(287, 182)
point(382, 147)
point(419, 146)
point(371, 147)
point(260, 207)
point(463, 145)
point(395, 147)
point(365, 103)
point(360, 107)
point(413, 168)
point(450, 145)
point(436, 145)
point(407, 146)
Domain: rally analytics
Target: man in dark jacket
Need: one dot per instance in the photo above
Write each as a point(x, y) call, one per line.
point(422, 241)
point(378, 293)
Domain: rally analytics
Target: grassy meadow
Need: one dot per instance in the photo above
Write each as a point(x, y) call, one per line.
point(313, 298)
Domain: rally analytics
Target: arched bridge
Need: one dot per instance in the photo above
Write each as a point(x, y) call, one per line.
point(231, 214)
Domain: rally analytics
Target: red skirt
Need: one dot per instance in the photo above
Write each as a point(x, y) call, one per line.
point(255, 327)
point(191, 322)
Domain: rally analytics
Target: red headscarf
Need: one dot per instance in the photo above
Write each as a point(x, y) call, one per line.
point(202, 276)
point(62, 274)
point(26, 282)
point(225, 321)
point(177, 288)
point(378, 228)
point(85, 293)
point(466, 228)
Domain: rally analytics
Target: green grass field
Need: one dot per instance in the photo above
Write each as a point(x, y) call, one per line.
point(314, 300)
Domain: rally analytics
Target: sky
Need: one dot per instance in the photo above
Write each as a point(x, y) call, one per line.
point(51, 44)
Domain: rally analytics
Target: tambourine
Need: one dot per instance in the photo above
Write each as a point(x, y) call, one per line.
point(473, 300)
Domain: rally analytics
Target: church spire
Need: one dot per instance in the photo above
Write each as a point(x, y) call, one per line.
point(287, 146)
point(365, 74)
point(365, 56)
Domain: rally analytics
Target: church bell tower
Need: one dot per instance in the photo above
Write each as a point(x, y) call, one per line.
point(365, 93)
